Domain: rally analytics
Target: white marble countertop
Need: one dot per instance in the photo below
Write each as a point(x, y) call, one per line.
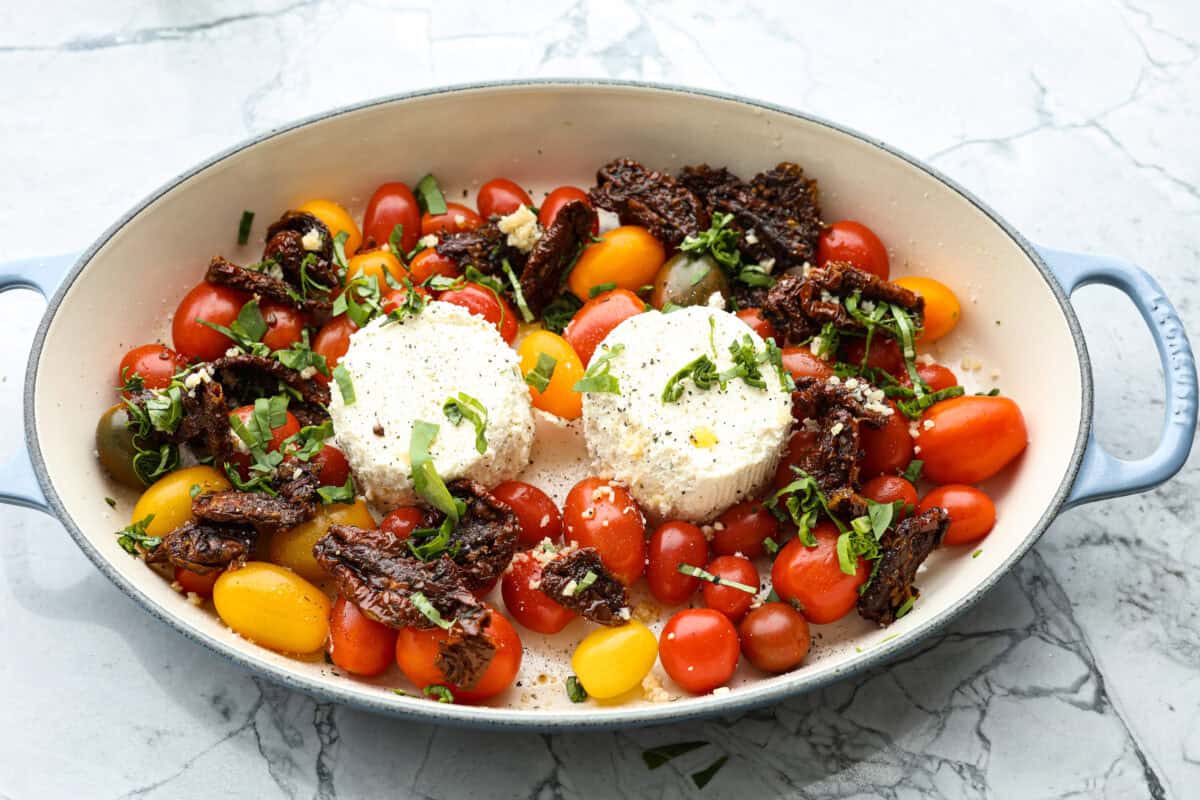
point(1079, 675)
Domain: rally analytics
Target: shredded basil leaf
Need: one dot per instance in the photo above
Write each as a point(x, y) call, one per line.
point(704, 575)
point(244, 227)
point(429, 196)
point(601, 288)
point(133, 536)
point(913, 471)
point(518, 295)
point(466, 407)
point(396, 242)
point(558, 314)
point(443, 694)
point(906, 606)
point(247, 330)
point(587, 580)
point(575, 691)
point(345, 384)
point(599, 377)
point(426, 481)
point(540, 376)
point(339, 250)
point(703, 372)
point(422, 604)
point(338, 494)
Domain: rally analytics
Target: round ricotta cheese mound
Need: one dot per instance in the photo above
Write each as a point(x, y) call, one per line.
point(692, 458)
point(406, 371)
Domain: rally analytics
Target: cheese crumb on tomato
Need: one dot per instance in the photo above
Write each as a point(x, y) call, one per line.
point(406, 371)
point(692, 458)
point(522, 229)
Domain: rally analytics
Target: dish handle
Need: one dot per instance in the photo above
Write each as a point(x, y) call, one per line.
point(18, 480)
point(1102, 475)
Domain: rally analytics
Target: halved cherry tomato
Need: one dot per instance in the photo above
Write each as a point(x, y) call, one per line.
point(559, 198)
point(539, 517)
point(603, 515)
point(402, 521)
point(527, 604)
point(559, 396)
point(628, 256)
point(775, 637)
point(331, 466)
point(854, 242)
point(729, 600)
point(970, 439)
point(337, 220)
point(758, 323)
point(278, 435)
point(500, 197)
point(332, 341)
point(743, 528)
point(672, 544)
point(216, 304)
point(885, 354)
point(800, 362)
point(285, 324)
point(889, 489)
point(699, 649)
point(935, 376)
point(812, 577)
point(598, 317)
point(972, 513)
point(392, 204)
point(373, 264)
point(483, 302)
point(155, 364)
point(458, 218)
point(417, 654)
point(357, 643)
point(430, 262)
point(395, 298)
point(195, 582)
point(942, 309)
point(887, 449)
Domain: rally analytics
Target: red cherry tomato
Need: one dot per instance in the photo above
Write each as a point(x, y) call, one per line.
point(598, 317)
point(500, 197)
point(935, 376)
point(743, 529)
point(800, 443)
point(396, 298)
point(800, 362)
point(458, 218)
point(216, 304)
point(195, 582)
point(730, 601)
point(885, 354)
point(602, 515)
point(528, 605)
point(483, 302)
point(887, 449)
point(155, 364)
point(392, 204)
point(775, 637)
point(758, 323)
point(674, 543)
point(401, 522)
point(812, 577)
point(278, 435)
point(285, 324)
point(331, 465)
point(357, 643)
point(970, 439)
point(417, 653)
point(972, 513)
point(889, 489)
point(430, 262)
point(559, 198)
point(699, 649)
point(854, 242)
point(332, 341)
point(539, 517)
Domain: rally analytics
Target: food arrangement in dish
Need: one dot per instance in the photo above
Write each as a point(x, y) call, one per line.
point(354, 444)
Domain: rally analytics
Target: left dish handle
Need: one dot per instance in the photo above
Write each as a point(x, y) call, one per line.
point(18, 480)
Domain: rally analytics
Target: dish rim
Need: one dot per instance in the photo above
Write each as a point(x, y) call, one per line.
point(598, 718)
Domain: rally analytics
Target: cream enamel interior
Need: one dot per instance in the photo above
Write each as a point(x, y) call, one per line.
point(544, 136)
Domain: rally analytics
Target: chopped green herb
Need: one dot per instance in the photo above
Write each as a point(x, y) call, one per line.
point(906, 606)
point(976, 553)
point(704, 575)
point(803, 502)
point(194, 491)
point(993, 392)
point(338, 494)
point(422, 604)
point(601, 288)
point(247, 330)
point(414, 303)
point(539, 377)
point(111, 502)
point(396, 242)
point(770, 546)
point(244, 227)
point(429, 196)
point(518, 295)
point(575, 691)
point(719, 241)
point(668, 307)
point(131, 382)
point(345, 383)
point(599, 377)
point(772, 596)
point(490, 281)
point(775, 357)
point(164, 408)
point(339, 250)
point(400, 692)
point(587, 580)
point(361, 301)
point(914, 408)
point(756, 275)
point(442, 694)
point(913, 471)
point(429, 543)
point(466, 407)
point(655, 757)
point(702, 778)
point(426, 481)
point(308, 441)
point(559, 312)
point(135, 536)
point(703, 372)
point(300, 356)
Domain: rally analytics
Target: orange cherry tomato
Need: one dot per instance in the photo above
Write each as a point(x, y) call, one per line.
point(672, 544)
point(856, 243)
point(285, 324)
point(775, 637)
point(729, 600)
point(195, 582)
point(155, 364)
point(699, 649)
point(538, 516)
point(528, 605)
point(392, 204)
point(559, 396)
point(373, 264)
point(627, 256)
point(289, 427)
point(430, 262)
point(812, 577)
point(417, 652)
point(885, 354)
point(887, 449)
point(483, 302)
point(970, 439)
point(603, 515)
point(357, 643)
point(500, 197)
point(332, 341)
point(598, 317)
point(972, 513)
point(337, 220)
point(758, 323)
point(216, 304)
point(744, 528)
point(942, 309)
point(559, 198)
point(889, 489)
point(458, 218)
point(800, 362)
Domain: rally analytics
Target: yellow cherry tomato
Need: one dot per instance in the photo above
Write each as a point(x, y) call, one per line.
point(337, 219)
point(611, 661)
point(941, 306)
point(627, 256)
point(293, 548)
point(273, 607)
point(559, 397)
point(169, 498)
point(373, 263)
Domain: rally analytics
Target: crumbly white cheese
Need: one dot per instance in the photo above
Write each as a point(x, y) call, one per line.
point(429, 240)
point(312, 241)
point(406, 371)
point(522, 229)
point(652, 446)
